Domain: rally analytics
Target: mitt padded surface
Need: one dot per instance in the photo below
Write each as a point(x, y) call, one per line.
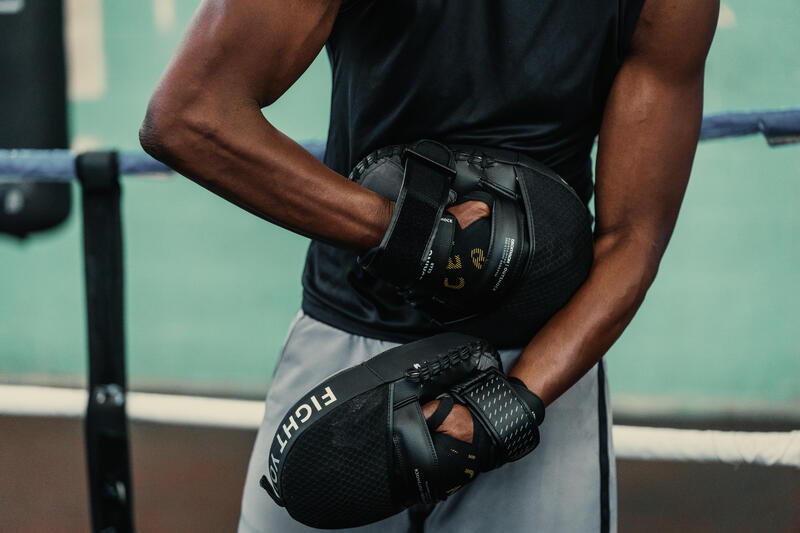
point(338, 472)
point(563, 241)
point(562, 259)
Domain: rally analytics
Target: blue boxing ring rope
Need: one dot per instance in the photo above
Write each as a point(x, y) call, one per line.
point(107, 408)
point(59, 164)
point(779, 127)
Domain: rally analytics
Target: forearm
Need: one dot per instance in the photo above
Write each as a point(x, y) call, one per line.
point(647, 143)
point(236, 153)
point(577, 337)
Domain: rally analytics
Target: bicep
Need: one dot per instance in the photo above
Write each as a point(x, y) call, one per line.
point(249, 49)
point(652, 121)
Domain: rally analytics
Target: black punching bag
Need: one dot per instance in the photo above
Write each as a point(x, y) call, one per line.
point(33, 109)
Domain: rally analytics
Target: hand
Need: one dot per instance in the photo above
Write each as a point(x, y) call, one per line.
point(468, 212)
point(458, 424)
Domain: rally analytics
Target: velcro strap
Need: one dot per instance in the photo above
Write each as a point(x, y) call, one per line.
point(498, 407)
point(429, 171)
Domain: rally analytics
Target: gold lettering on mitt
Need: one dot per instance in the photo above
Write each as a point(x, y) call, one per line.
point(459, 285)
point(478, 257)
point(454, 263)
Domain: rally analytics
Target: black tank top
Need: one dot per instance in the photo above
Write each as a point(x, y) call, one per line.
point(525, 75)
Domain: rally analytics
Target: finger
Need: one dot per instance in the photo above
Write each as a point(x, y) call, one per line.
point(468, 212)
point(459, 424)
point(429, 408)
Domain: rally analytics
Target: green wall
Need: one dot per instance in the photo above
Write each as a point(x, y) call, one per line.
point(211, 289)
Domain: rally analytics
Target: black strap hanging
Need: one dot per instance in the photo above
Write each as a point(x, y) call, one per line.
point(106, 428)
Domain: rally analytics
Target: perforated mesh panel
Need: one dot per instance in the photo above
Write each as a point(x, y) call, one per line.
point(496, 399)
point(337, 474)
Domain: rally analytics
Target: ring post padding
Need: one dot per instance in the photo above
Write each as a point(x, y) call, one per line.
point(106, 427)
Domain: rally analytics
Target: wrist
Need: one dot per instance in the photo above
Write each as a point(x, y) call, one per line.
point(533, 401)
point(379, 223)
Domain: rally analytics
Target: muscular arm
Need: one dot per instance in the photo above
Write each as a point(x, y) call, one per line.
point(205, 121)
point(646, 147)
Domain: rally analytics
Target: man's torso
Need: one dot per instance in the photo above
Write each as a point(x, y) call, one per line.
point(525, 75)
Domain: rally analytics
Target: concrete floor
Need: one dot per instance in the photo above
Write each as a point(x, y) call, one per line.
point(189, 479)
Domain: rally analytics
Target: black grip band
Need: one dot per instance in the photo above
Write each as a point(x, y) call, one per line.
point(534, 402)
point(497, 406)
point(429, 170)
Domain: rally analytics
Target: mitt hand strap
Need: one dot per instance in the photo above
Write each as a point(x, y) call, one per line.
point(429, 171)
point(507, 413)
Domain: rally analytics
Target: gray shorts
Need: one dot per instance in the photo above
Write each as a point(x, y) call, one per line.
point(568, 484)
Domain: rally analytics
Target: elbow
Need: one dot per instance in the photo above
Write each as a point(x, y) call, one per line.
point(170, 129)
point(151, 139)
point(160, 130)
